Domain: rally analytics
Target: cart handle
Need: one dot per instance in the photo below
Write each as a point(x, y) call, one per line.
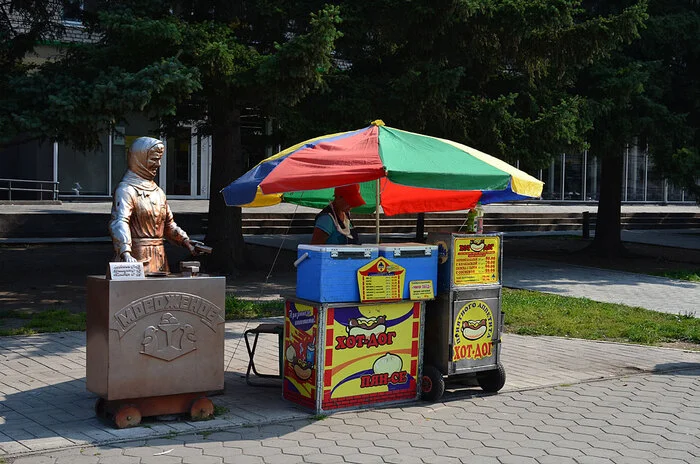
point(301, 258)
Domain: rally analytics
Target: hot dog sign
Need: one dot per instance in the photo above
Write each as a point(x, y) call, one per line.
point(473, 331)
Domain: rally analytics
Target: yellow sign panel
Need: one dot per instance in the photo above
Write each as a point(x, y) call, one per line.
point(473, 332)
point(300, 362)
point(381, 280)
point(421, 290)
point(373, 351)
point(476, 260)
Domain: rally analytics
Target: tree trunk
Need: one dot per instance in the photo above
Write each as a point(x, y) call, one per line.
point(607, 241)
point(224, 228)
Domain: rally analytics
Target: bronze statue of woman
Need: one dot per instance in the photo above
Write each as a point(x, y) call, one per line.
point(141, 218)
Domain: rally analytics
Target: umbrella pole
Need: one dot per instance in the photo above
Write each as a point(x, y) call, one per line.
point(376, 211)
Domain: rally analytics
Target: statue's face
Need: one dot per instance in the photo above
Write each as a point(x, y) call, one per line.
point(154, 156)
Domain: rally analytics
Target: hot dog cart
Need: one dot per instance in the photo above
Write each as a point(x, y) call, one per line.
point(463, 324)
point(353, 332)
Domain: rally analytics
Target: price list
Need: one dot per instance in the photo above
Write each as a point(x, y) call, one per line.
point(380, 287)
point(381, 280)
point(476, 260)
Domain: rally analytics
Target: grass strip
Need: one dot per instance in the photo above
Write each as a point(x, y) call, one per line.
point(535, 313)
point(53, 320)
point(237, 308)
point(527, 313)
point(692, 276)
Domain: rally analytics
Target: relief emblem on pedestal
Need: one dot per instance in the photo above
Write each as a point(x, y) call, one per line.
point(179, 318)
point(169, 339)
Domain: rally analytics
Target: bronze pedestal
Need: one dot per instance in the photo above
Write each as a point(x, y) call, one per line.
point(149, 339)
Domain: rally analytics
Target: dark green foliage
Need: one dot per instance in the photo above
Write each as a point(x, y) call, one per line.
point(23, 24)
point(495, 75)
point(521, 80)
point(646, 94)
point(170, 60)
point(197, 62)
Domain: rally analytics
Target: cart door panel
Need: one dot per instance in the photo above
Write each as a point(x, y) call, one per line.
point(475, 337)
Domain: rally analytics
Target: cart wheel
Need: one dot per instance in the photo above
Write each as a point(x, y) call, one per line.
point(432, 384)
point(101, 407)
point(202, 408)
point(492, 381)
point(127, 416)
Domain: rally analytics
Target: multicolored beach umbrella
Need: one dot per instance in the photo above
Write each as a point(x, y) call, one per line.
point(416, 173)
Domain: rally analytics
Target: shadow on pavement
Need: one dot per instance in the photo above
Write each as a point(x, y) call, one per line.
point(678, 368)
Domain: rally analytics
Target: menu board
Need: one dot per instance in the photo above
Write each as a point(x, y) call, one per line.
point(476, 260)
point(381, 280)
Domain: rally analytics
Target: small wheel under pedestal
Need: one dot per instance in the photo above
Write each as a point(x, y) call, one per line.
point(202, 408)
point(127, 416)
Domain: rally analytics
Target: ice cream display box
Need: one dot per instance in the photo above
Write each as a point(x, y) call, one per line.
point(352, 355)
point(418, 259)
point(328, 273)
point(156, 336)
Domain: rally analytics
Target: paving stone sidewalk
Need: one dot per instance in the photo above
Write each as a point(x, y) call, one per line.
point(650, 418)
point(46, 414)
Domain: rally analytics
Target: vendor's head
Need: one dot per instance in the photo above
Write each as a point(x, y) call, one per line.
point(348, 197)
point(144, 157)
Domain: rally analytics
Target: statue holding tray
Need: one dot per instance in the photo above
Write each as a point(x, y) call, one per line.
point(141, 218)
point(155, 346)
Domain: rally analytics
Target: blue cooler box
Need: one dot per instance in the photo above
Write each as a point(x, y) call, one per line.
point(329, 272)
point(419, 260)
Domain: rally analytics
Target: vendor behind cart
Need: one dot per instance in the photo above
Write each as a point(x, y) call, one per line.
point(333, 225)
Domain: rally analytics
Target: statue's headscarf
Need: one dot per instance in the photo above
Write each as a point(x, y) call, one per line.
point(137, 160)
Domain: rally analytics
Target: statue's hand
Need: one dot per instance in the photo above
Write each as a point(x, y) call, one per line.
point(198, 248)
point(190, 246)
point(126, 257)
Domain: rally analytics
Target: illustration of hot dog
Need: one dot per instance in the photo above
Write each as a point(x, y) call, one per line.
point(302, 368)
point(473, 330)
point(367, 325)
point(477, 245)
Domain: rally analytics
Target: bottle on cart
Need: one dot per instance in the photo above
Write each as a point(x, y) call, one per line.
point(475, 220)
point(479, 220)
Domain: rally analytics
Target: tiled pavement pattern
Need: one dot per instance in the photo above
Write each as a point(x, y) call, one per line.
point(650, 418)
point(564, 401)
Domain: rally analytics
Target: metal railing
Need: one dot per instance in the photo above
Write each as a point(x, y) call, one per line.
point(48, 187)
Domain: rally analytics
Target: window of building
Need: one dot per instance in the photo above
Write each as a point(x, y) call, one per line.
point(179, 161)
point(73, 10)
point(655, 184)
point(674, 193)
point(84, 172)
point(635, 170)
point(137, 126)
point(573, 176)
point(592, 175)
point(552, 178)
point(26, 162)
